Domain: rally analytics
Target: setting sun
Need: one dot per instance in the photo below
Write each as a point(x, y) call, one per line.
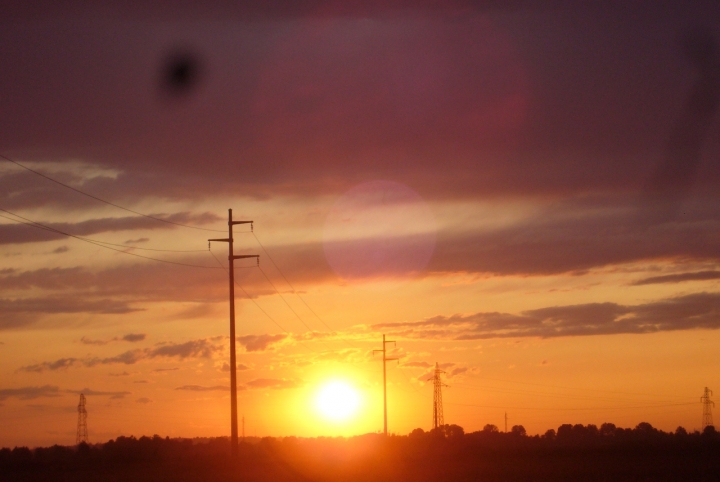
point(337, 401)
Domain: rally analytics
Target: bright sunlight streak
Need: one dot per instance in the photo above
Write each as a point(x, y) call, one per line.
point(337, 401)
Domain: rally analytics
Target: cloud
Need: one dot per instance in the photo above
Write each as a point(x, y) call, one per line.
point(272, 383)
point(200, 388)
point(695, 311)
point(162, 370)
point(457, 371)
point(19, 233)
point(260, 342)
point(137, 241)
point(20, 312)
point(143, 400)
point(29, 393)
point(226, 367)
point(61, 364)
point(131, 337)
point(678, 278)
point(420, 364)
point(97, 393)
point(61, 249)
point(201, 348)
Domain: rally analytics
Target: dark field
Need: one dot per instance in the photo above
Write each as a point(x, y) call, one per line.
point(574, 452)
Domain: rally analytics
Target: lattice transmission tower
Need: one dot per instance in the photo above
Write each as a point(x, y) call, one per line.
point(82, 435)
point(707, 408)
point(438, 419)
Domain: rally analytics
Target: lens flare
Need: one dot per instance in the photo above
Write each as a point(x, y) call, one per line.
point(337, 401)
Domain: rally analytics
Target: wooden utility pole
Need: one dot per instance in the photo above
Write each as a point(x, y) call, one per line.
point(233, 364)
point(385, 359)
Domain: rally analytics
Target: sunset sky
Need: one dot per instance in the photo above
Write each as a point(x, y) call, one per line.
point(523, 192)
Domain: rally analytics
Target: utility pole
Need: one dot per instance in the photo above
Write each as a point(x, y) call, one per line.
point(438, 419)
point(707, 420)
point(385, 359)
point(505, 422)
point(243, 432)
point(233, 365)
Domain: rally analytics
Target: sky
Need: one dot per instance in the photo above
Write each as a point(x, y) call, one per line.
point(524, 193)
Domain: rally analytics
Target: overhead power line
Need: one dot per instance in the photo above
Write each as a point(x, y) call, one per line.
point(295, 292)
point(106, 201)
point(35, 224)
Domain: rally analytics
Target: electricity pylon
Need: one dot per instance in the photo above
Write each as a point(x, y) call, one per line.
point(82, 435)
point(438, 419)
point(707, 420)
point(385, 358)
point(233, 366)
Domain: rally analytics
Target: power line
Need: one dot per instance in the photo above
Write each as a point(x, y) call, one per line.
point(38, 225)
point(107, 202)
point(284, 300)
point(247, 295)
point(294, 290)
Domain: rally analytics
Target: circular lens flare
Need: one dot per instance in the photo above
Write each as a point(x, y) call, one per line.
point(337, 401)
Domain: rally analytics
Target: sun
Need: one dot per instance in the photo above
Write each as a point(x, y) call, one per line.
point(337, 401)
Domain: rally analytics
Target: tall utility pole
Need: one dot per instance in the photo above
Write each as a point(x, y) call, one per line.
point(233, 365)
point(82, 435)
point(438, 419)
point(385, 359)
point(707, 408)
point(505, 422)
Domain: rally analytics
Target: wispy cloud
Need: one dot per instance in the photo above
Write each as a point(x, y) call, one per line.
point(30, 393)
point(272, 383)
point(260, 342)
point(202, 348)
point(18, 233)
point(131, 337)
point(696, 311)
point(200, 388)
point(678, 278)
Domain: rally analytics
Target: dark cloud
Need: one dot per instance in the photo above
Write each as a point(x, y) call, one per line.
point(260, 342)
point(143, 400)
point(272, 383)
point(29, 393)
point(420, 364)
point(131, 337)
point(161, 370)
point(202, 348)
point(19, 233)
point(61, 364)
point(200, 388)
point(90, 393)
point(579, 234)
point(226, 367)
point(137, 241)
point(678, 278)
point(15, 313)
point(61, 249)
point(466, 102)
point(696, 311)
